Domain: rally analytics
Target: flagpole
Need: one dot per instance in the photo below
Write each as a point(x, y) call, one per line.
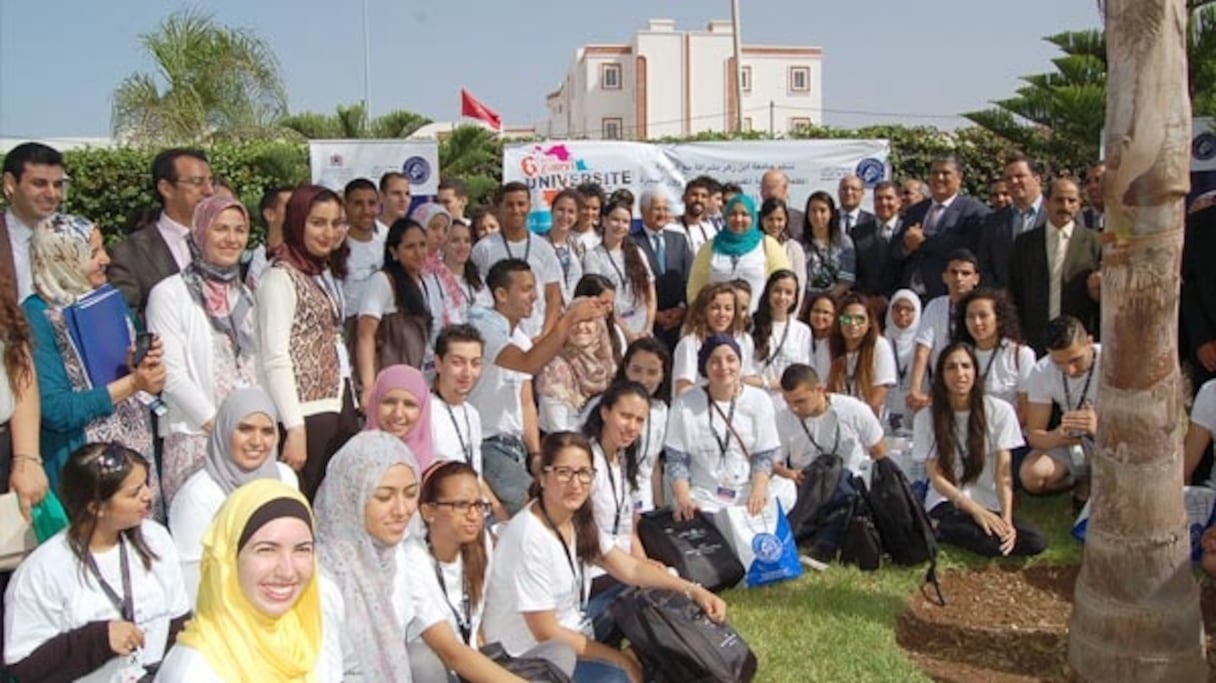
point(367, 68)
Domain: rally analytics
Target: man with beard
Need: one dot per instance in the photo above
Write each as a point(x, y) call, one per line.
point(33, 189)
point(1092, 216)
point(695, 224)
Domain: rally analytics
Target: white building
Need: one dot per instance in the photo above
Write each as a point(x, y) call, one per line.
point(666, 82)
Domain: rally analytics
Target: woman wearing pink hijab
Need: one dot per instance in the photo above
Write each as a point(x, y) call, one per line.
point(401, 406)
point(204, 317)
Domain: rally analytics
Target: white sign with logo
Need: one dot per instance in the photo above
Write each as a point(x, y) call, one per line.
point(1203, 164)
point(336, 162)
point(551, 166)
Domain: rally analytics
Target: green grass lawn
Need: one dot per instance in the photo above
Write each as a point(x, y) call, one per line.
point(839, 625)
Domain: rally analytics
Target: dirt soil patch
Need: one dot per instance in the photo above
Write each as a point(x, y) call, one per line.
point(1004, 625)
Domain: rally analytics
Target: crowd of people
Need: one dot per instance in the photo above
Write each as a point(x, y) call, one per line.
point(394, 433)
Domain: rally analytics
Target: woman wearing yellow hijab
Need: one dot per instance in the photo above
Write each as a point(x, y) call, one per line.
point(258, 616)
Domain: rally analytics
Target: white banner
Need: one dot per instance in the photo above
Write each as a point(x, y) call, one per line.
point(336, 162)
point(1203, 164)
point(552, 166)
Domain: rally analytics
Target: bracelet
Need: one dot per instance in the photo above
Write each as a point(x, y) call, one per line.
point(692, 586)
point(25, 456)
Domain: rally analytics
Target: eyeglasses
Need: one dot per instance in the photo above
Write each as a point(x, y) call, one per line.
point(565, 475)
point(852, 319)
point(196, 181)
point(462, 507)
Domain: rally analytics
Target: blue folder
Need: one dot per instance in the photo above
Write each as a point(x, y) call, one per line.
point(97, 323)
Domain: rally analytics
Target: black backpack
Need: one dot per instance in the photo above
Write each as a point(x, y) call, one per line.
point(862, 545)
point(820, 515)
point(677, 643)
point(695, 548)
point(902, 523)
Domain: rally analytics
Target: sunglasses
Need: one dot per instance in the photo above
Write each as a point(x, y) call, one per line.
point(852, 319)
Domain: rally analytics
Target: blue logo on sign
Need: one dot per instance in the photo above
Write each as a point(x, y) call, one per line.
point(417, 169)
point(871, 171)
point(1203, 147)
point(767, 547)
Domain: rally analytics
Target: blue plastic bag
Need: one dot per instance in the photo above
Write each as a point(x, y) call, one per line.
point(776, 555)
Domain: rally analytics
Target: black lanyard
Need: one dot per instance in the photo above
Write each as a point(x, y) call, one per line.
point(624, 284)
point(950, 319)
point(466, 448)
point(723, 443)
point(772, 356)
point(576, 573)
point(900, 370)
point(850, 378)
point(507, 245)
point(618, 501)
point(464, 617)
point(126, 604)
point(992, 359)
point(563, 258)
point(1068, 405)
point(835, 440)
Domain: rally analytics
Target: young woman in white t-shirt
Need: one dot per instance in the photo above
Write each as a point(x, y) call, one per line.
point(987, 321)
point(821, 318)
point(449, 572)
point(540, 578)
point(716, 310)
point(780, 338)
point(621, 260)
point(565, 209)
point(965, 439)
point(102, 600)
point(862, 363)
point(613, 428)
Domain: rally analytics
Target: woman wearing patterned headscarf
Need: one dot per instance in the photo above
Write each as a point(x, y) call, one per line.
point(446, 297)
point(204, 317)
point(363, 512)
point(401, 405)
point(242, 447)
point(259, 615)
point(68, 260)
point(582, 369)
point(740, 251)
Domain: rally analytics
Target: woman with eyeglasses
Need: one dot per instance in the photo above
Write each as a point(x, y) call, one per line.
point(863, 365)
point(449, 570)
point(103, 600)
point(540, 581)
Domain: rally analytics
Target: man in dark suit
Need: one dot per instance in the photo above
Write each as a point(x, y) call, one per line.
point(33, 189)
point(774, 184)
point(1042, 292)
point(671, 270)
point(850, 191)
point(158, 249)
point(935, 228)
point(872, 242)
point(1093, 216)
point(1024, 180)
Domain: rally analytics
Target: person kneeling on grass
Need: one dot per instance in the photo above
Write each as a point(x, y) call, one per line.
point(965, 438)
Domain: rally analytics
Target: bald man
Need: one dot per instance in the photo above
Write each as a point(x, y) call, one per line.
point(850, 191)
point(774, 184)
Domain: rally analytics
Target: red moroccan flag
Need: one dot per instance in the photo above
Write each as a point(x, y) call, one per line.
point(469, 106)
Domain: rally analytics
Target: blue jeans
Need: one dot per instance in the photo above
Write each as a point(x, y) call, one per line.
point(601, 618)
point(594, 671)
point(505, 468)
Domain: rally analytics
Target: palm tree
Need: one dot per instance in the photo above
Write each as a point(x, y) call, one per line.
point(473, 154)
point(351, 122)
point(1137, 614)
point(212, 82)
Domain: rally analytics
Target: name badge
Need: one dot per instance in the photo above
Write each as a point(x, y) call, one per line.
point(637, 505)
point(629, 313)
point(727, 494)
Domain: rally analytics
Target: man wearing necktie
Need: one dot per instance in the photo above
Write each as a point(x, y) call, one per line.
point(850, 192)
point(935, 228)
point(1023, 177)
point(670, 261)
point(1093, 216)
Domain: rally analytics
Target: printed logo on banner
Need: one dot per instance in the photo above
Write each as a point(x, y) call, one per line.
point(871, 171)
point(335, 160)
point(549, 169)
point(1203, 147)
point(417, 169)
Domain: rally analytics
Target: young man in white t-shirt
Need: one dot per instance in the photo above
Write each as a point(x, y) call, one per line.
point(455, 423)
point(1067, 378)
point(515, 241)
point(366, 244)
point(1199, 434)
point(503, 395)
point(962, 275)
point(814, 423)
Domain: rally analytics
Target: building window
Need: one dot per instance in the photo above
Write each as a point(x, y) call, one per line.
point(800, 79)
point(610, 76)
point(747, 124)
point(745, 79)
point(611, 129)
point(799, 122)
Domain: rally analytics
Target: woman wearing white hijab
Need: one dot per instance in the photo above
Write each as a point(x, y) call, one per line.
point(242, 447)
point(903, 321)
point(363, 510)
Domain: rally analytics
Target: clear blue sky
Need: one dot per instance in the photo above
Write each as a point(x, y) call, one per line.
point(60, 61)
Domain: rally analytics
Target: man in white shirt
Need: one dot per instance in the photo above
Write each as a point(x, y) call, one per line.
point(511, 434)
point(937, 324)
point(514, 240)
point(815, 423)
point(695, 224)
point(157, 250)
point(394, 199)
point(366, 244)
point(33, 189)
point(850, 191)
point(1067, 378)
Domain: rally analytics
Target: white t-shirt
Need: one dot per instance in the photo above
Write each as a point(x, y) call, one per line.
point(433, 603)
point(847, 428)
point(684, 359)
point(365, 260)
point(720, 478)
point(585, 241)
point(789, 343)
point(538, 253)
point(630, 304)
point(184, 664)
point(456, 432)
point(935, 325)
point(51, 593)
point(1003, 435)
point(697, 234)
point(496, 394)
point(751, 267)
point(1046, 383)
point(191, 513)
point(534, 571)
point(570, 266)
point(650, 445)
point(1203, 413)
point(1006, 375)
point(8, 403)
point(611, 502)
point(884, 367)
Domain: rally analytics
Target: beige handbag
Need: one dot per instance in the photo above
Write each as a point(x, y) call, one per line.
point(16, 534)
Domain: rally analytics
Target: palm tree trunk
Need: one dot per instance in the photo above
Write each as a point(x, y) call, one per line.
point(1137, 612)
